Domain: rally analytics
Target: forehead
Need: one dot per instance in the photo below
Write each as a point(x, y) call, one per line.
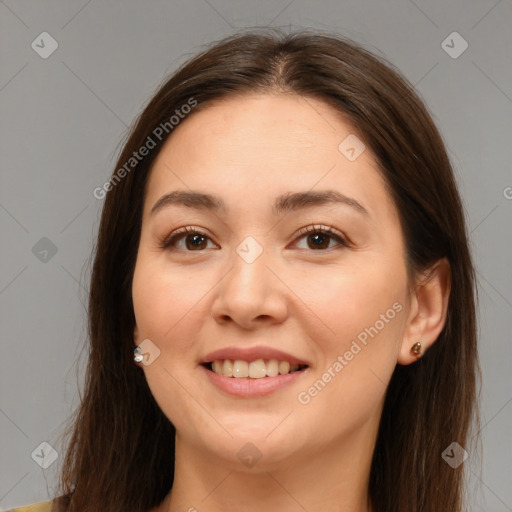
point(270, 121)
point(260, 146)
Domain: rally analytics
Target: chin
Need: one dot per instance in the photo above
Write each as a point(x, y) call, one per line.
point(258, 446)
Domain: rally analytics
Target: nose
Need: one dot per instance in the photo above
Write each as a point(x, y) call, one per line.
point(250, 295)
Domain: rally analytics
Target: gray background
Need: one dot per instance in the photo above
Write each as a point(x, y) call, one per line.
point(63, 117)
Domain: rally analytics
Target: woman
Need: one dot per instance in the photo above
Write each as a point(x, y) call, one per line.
point(282, 305)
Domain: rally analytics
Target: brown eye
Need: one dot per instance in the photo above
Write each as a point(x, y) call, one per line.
point(195, 242)
point(320, 238)
point(318, 241)
point(186, 239)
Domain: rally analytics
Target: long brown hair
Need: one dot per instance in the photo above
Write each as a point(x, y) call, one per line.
point(120, 456)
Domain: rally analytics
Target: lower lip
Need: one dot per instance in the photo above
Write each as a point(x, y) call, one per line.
point(246, 387)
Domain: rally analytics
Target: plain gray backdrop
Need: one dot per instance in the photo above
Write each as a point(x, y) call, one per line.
point(63, 115)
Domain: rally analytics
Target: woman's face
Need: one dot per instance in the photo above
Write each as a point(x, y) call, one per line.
point(257, 278)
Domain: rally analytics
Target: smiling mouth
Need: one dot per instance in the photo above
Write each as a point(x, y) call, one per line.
point(258, 369)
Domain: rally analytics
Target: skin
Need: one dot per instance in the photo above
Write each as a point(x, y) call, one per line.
point(306, 301)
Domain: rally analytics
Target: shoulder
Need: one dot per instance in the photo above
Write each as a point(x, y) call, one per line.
point(45, 506)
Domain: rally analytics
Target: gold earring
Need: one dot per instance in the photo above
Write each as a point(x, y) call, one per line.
point(416, 349)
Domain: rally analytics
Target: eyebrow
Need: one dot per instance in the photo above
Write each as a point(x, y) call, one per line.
point(291, 201)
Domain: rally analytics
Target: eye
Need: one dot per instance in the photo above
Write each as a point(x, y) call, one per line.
point(189, 239)
point(321, 237)
point(186, 239)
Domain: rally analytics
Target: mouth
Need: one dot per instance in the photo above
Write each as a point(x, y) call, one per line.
point(256, 369)
point(252, 379)
point(251, 372)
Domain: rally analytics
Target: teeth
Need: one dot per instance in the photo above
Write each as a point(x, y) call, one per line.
point(272, 368)
point(240, 369)
point(227, 368)
point(257, 369)
point(284, 367)
point(253, 369)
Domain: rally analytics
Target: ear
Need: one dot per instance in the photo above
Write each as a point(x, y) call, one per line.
point(428, 309)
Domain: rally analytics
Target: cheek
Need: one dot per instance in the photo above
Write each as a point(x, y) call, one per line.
point(365, 315)
point(348, 300)
point(168, 310)
point(166, 301)
point(364, 310)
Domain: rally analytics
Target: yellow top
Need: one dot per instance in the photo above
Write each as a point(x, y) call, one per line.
point(46, 506)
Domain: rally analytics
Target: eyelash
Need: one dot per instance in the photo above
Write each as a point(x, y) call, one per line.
point(168, 241)
point(326, 230)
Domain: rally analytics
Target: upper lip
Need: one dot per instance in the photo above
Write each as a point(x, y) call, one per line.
point(251, 354)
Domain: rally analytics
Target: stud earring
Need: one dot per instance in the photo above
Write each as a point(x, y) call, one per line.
point(416, 349)
point(137, 355)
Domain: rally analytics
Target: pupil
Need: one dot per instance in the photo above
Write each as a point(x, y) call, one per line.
point(320, 240)
point(195, 241)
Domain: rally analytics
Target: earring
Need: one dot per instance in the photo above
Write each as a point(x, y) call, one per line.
point(416, 349)
point(137, 355)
